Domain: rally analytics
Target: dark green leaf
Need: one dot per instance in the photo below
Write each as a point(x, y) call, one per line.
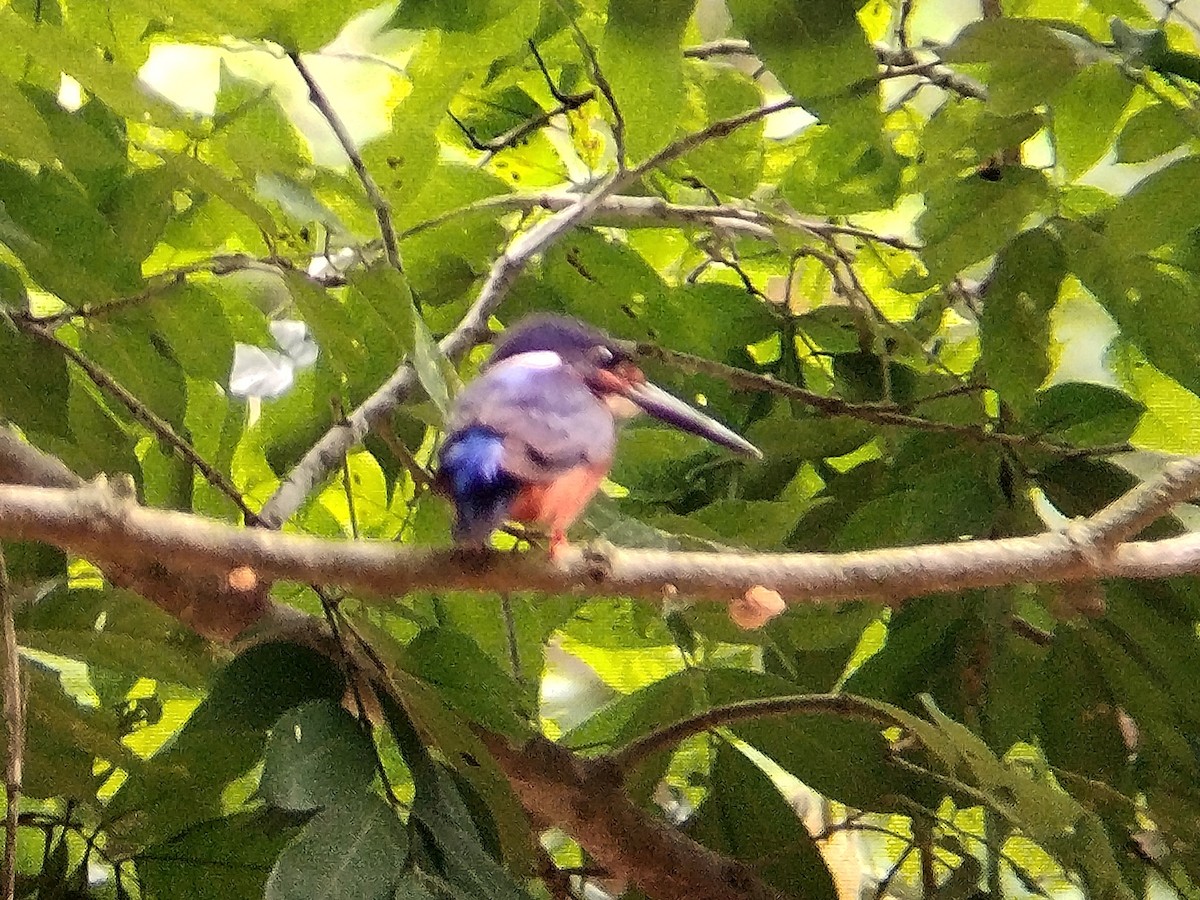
point(640, 38)
point(223, 739)
point(968, 220)
point(467, 679)
point(1085, 415)
point(843, 759)
point(218, 859)
point(354, 849)
point(1026, 62)
point(33, 391)
point(1014, 331)
point(317, 755)
point(64, 739)
point(745, 816)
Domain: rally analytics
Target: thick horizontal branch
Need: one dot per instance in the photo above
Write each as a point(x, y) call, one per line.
point(93, 523)
point(207, 604)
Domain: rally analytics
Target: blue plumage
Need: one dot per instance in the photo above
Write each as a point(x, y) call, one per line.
point(482, 491)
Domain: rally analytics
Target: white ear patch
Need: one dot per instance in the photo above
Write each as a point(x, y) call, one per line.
point(533, 360)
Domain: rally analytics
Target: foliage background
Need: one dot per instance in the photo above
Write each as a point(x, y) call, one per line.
point(981, 247)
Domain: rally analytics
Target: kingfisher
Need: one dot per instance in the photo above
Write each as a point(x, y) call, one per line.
point(532, 438)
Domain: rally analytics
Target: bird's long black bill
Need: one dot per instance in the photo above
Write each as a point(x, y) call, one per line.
point(674, 411)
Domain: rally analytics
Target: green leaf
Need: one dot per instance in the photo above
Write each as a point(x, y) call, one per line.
point(354, 849)
point(412, 888)
point(467, 679)
point(1084, 415)
point(64, 739)
point(317, 755)
point(733, 164)
point(963, 135)
point(124, 349)
point(182, 783)
point(842, 168)
point(222, 858)
point(1014, 330)
point(842, 759)
point(817, 50)
point(1086, 113)
point(445, 15)
point(195, 325)
point(1151, 132)
point(1160, 208)
point(23, 132)
point(33, 393)
point(746, 817)
point(968, 220)
point(640, 38)
point(63, 240)
point(1025, 62)
point(1152, 303)
point(63, 51)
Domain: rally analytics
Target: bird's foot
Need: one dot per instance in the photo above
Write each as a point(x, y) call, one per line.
point(559, 544)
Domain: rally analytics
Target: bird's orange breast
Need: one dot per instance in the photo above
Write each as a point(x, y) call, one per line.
point(556, 504)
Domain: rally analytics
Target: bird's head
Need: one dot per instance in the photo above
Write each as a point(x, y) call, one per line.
point(609, 371)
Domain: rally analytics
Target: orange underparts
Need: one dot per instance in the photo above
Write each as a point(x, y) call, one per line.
point(554, 505)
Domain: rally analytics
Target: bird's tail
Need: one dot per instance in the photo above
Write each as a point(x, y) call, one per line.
point(470, 470)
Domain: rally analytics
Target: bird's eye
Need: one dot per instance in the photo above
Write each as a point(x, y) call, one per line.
point(601, 355)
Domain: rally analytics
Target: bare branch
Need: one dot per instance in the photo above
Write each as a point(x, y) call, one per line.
point(602, 821)
point(14, 729)
point(669, 736)
point(209, 605)
point(904, 60)
point(584, 798)
point(1129, 514)
point(86, 521)
point(383, 212)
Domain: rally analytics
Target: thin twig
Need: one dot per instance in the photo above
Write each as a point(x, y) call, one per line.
point(14, 727)
point(162, 283)
point(353, 675)
point(383, 212)
point(937, 73)
point(846, 705)
point(876, 413)
point(601, 82)
point(510, 633)
point(347, 484)
point(142, 413)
